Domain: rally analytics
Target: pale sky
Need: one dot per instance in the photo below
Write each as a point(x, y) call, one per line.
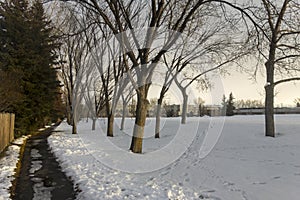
point(243, 88)
point(240, 84)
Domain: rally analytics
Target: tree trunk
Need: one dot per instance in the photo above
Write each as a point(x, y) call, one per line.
point(123, 117)
point(157, 120)
point(269, 101)
point(140, 119)
point(69, 118)
point(200, 114)
point(94, 124)
point(87, 117)
point(74, 127)
point(269, 112)
point(110, 125)
point(269, 88)
point(184, 107)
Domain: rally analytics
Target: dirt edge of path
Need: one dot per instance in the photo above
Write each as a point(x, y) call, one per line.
point(17, 169)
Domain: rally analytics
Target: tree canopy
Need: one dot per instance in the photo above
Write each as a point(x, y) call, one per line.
point(27, 57)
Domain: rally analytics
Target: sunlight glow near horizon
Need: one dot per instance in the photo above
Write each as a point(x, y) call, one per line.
point(242, 87)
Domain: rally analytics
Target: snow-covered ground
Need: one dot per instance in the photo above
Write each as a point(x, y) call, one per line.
point(207, 158)
point(7, 167)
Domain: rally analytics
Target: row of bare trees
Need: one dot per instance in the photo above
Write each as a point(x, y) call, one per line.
point(112, 49)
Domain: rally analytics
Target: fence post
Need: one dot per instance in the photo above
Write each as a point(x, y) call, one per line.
point(7, 123)
point(7, 128)
point(12, 127)
point(2, 144)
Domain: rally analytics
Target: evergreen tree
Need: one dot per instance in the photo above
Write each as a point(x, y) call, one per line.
point(224, 105)
point(27, 48)
point(230, 105)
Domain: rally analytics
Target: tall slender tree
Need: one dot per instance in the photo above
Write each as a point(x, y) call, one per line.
point(230, 105)
point(27, 47)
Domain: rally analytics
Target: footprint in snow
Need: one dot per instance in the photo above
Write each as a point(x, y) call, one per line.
point(210, 191)
point(164, 173)
point(231, 186)
point(279, 163)
point(228, 184)
point(208, 196)
point(259, 183)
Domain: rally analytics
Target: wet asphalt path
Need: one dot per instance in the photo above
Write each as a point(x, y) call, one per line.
point(40, 176)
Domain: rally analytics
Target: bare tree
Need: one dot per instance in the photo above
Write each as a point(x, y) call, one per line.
point(209, 55)
point(276, 34)
point(120, 16)
point(126, 97)
point(206, 42)
point(200, 103)
point(110, 65)
point(163, 18)
point(94, 97)
point(248, 103)
point(297, 102)
point(168, 80)
point(74, 63)
point(282, 32)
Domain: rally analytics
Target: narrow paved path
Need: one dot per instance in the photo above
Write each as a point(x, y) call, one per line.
point(41, 177)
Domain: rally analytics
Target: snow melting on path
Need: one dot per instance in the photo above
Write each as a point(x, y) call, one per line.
point(40, 191)
point(8, 165)
point(35, 163)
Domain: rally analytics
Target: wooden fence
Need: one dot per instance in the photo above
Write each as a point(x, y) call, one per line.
point(7, 124)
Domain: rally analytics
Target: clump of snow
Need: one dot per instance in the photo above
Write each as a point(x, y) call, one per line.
point(240, 164)
point(40, 191)
point(8, 165)
point(35, 164)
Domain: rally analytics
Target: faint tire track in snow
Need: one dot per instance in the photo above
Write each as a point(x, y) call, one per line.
point(191, 156)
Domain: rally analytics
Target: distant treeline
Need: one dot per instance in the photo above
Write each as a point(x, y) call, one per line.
point(258, 111)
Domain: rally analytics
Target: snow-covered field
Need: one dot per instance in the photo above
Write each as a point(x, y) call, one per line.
point(208, 158)
point(7, 167)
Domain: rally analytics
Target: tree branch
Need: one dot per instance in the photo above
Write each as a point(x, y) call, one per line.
point(286, 80)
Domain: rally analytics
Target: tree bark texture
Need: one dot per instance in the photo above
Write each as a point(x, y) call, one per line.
point(269, 102)
point(74, 127)
point(184, 107)
point(110, 125)
point(157, 119)
point(140, 120)
point(269, 89)
point(123, 117)
point(94, 124)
